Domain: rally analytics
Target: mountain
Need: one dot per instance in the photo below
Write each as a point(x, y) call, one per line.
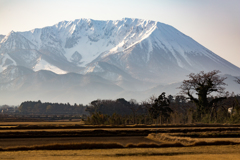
point(1, 37)
point(133, 55)
point(49, 86)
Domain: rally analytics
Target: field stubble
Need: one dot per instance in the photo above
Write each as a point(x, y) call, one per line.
point(73, 137)
point(173, 153)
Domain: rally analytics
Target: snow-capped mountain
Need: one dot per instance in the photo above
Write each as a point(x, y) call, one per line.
point(134, 54)
point(1, 37)
point(144, 49)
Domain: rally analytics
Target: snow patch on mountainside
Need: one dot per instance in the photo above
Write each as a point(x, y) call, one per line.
point(44, 65)
point(5, 61)
point(89, 50)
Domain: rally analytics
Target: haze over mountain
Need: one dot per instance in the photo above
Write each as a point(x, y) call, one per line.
point(82, 60)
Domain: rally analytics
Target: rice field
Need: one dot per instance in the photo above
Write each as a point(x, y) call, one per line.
point(174, 153)
point(74, 140)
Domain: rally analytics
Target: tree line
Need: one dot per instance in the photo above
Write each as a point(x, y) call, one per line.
point(37, 107)
point(195, 103)
point(205, 107)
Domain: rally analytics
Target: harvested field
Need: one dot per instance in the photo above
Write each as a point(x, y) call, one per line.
point(14, 142)
point(80, 125)
point(26, 140)
point(71, 130)
point(42, 123)
point(219, 139)
point(34, 133)
point(173, 153)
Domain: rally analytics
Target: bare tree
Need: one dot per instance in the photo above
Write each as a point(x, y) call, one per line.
point(147, 104)
point(134, 107)
point(203, 84)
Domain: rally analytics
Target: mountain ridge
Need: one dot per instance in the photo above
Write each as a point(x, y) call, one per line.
point(132, 54)
point(70, 41)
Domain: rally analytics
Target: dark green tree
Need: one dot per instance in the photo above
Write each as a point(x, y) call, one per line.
point(203, 84)
point(170, 98)
point(180, 99)
point(160, 107)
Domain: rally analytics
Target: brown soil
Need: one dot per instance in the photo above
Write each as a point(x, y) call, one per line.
point(13, 142)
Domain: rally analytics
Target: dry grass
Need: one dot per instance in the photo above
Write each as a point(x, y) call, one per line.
point(181, 153)
point(81, 125)
point(42, 123)
point(209, 134)
point(187, 141)
point(73, 130)
point(167, 140)
point(219, 139)
point(13, 142)
point(171, 139)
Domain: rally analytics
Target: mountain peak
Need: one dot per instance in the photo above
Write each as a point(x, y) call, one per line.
point(130, 44)
point(4, 38)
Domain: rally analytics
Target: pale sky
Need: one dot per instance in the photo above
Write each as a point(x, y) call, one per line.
point(213, 23)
